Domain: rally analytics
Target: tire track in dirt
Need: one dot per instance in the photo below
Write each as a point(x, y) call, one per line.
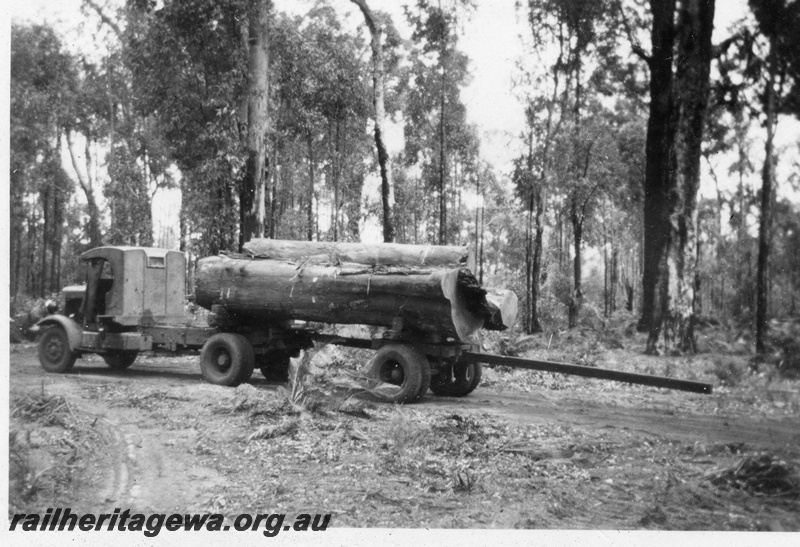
point(139, 465)
point(114, 487)
point(544, 407)
point(150, 463)
point(151, 472)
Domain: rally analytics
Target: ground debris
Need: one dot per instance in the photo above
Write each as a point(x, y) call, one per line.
point(761, 475)
point(48, 409)
point(287, 427)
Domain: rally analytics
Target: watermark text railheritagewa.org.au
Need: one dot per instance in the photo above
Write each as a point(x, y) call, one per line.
point(64, 520)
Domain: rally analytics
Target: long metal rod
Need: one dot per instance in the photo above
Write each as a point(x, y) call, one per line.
point(588, 372)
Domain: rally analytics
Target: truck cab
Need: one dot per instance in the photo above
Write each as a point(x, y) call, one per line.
point(127, 288)
point(133, 286)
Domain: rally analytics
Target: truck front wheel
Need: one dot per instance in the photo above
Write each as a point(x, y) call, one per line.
point(120, 360)
point(404, 369)
point(227, 359)
point(55, 354)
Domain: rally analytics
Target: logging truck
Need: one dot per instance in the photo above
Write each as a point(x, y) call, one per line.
point(266, 305)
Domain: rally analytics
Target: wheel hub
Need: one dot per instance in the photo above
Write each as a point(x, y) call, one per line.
point(54, 349)
point(223, 360)
point(396, 375)
point(392, 373)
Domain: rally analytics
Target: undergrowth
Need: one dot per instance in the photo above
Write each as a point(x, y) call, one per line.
point(49, 444)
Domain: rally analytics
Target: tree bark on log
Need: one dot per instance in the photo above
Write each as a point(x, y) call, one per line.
point(368, 254)
point(447, 301)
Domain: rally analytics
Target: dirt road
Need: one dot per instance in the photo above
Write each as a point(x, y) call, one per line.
point(522, 451)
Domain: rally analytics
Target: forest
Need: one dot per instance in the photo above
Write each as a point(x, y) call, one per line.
point(648, 182)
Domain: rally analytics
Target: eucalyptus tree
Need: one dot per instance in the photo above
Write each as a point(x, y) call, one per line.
point(321, 103)
point(43, 79)
point(376, 23)
point(576, 40)
point(778, 21)
point(189, 66)
point(111, 118)
point(438, 139)
point(679, 63)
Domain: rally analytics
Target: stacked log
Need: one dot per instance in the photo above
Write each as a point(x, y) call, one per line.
point(428, 288)
point(371, 254)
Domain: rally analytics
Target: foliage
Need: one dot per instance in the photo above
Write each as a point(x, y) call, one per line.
point(440, 145)
point(43, 78)
point(160, 105)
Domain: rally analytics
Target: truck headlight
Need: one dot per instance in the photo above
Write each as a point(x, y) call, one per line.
point(51, 306)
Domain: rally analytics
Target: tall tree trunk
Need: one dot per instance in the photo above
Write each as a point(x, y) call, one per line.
point(764, 230)
point(87, 185)
point(659, 159)
point(16, 247)
point(252, 193)
point(613, 278)
point(55, 241)
point(379, 90)
point(442, 150)
point(577, 237)
point(273, 190)
point(534, 232)
point(536, 270)
point(310, 208)
point(480, 245)
point(528, 317)
point(606, 270)
point(694, 53)
point(46, 236)
point(478, 236)
point(33, 221)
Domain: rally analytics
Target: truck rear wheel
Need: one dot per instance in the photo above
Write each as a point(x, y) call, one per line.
point(120, 360)
point(404, 369)
point(227, 359)
point(464, 380)
point(274, 365)
point(55, 354)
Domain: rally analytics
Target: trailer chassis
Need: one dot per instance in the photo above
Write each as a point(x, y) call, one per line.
point(407, 364)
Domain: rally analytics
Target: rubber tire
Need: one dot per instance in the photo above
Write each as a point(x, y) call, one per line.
point(466, 378)
point(274, 365)
point(412, 366)
point(120, 360)
point(55, 355)
point(236, 352)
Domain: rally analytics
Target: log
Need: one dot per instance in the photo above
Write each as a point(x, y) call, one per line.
point(503, 307)
point(447, 301)
point(371, 254)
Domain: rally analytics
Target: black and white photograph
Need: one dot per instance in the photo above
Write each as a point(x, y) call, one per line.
point(402, 271)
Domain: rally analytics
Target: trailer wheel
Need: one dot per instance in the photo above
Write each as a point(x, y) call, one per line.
point(403, 367)
point(55, 355)
point(227, 359)
point(466, 378)
point(120, 360)
point(274, 365)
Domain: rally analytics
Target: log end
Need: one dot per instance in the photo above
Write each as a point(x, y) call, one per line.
point(503, 306)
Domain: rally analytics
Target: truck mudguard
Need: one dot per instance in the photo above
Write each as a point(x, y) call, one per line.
point(73, 330)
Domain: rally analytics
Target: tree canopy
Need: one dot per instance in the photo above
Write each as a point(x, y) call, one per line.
point(638, 184)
